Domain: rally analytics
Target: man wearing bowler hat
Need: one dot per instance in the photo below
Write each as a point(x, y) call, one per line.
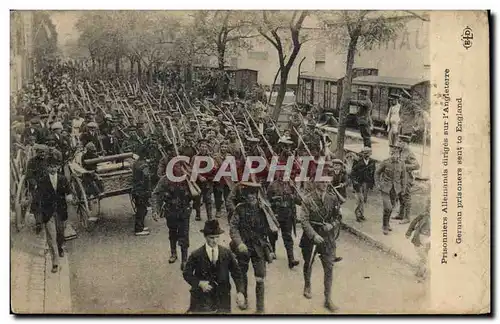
point(208, 271)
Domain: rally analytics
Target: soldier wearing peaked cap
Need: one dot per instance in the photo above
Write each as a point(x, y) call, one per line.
point(391, 178)
point(363, 179)
point(320, 212)
point(339, 176)
point(61, 142)
point(249, 229)
point(411, 164)
point(204, 181)
point(172, 199)
point(283, 199)
point(141, 189)
point(364, 116)
point(222, 188)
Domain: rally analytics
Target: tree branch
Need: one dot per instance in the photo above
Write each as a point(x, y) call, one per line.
point(417, 15)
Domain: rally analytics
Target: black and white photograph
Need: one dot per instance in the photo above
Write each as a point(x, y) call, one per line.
point(220, 162)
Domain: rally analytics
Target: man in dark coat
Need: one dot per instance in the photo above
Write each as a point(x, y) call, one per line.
point(141, 190)
point(207, 272)
point(33, 131)
point(53, 194)
point(91, 135)
point(362, 175)
point(174, 198)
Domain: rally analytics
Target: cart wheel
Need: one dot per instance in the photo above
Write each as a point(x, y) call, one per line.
point(95, 207)
point(81, 202)
point(22, 203)
point(132, 202)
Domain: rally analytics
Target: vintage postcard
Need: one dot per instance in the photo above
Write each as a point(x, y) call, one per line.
point(250, 162)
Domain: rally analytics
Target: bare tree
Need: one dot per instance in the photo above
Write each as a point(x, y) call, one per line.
point(358, 30)
point(282, 29)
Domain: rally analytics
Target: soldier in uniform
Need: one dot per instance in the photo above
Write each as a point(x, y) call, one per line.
point(364, 116)
point(411, 164)
point(319, 214)
point(391, 179)
point(283, 199)
point(91, 135)
point(188, 147)
point(249, 230)
point(339, 177)
point(174, 198)
point(222, 188)
point(363, 179)
point(162, 165)
point(234, 143)
point(33, 130)
point(63, 143)
point(106, 125)
point(205, 182)
point(141, 190)
point(132, 143)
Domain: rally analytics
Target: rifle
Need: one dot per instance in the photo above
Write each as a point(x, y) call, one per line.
point(263, 203)
point(194, 189)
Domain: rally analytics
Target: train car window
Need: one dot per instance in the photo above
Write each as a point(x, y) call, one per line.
point(308, 92)
point(318, 92)
point(302, 91)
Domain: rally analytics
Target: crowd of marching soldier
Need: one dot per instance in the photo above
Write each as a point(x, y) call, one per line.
point(65, 110)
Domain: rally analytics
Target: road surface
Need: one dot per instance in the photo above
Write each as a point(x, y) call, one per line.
point(112, 271)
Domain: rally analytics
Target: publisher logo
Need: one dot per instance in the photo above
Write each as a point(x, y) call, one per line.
point(467, 37)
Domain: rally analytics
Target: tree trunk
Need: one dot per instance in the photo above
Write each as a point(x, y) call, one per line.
point(221, 82)
point(281, 93)
point(346, 97)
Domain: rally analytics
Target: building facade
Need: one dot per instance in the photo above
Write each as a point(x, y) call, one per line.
point(407, 56)
point(21, 49)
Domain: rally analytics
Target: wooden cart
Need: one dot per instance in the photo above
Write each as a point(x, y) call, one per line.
point(115, 174)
